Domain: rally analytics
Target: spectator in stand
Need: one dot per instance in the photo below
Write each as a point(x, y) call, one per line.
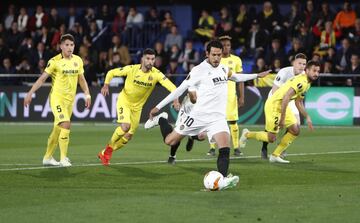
point(206, 26)
point(4, 50)
point(173, 38)
point(78, 33)
point(268, 18)
point(40, 67)
point(174, 72)
point(355, 34)
point(22, 20)
point(122, 50)
point(345, 19)
point(14, 39)
point(119, 22)
point(93, 31)
point(167, 22)
point(296, 48)
point(326, 14)
point(54, 20)
point(2, 31)
point(189, 57)
point(257, 40)
point(309, 15)
point(260, 66)
point(343, 55)
point(7, 68)
point(160, 52)
point(26, 49)
point(276, 51)
point(40, 53)
point(292, 19)
point(45, 37)
point(353, 68)
point(134, 24)
point(71, 18)
point(225, 18)
point(89, 17)
point(102, 65)
point(56, 38)
point(90, 70)
point(9, 18)
point(152, 15)
point(328, 68)
point(327, 36)
point(330, 55)
point(104, 17)
point(39, 19)
point(24, 67)
point(316, 57)
point(276, 65)
point(228, 30)
point(174, 52)
point(306, 38)
point(242, 24)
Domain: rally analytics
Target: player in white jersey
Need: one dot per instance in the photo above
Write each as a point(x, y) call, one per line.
point(282, 76)
point(207, 87)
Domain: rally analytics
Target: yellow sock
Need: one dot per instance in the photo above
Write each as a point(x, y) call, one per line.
point(286, 140)
point(120, 143)
point(117, 135)
point(212, 145)
point(64, 142)
point(260, 136)
point(234, 131)
point(52, 142)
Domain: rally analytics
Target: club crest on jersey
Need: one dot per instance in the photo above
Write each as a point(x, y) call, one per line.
point(150, 78)
point(223, 70)
point(230, 62)
point(278, 78)
point(75, 64)
point(299, 86)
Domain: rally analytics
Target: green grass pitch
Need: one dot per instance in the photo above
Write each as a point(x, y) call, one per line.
point(321, 184)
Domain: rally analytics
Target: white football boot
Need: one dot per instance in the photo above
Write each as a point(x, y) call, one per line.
point(150, 123)
point(277, 159)
point(228, 182)
point(243, 138)
point(50, 162)
point(65, 162)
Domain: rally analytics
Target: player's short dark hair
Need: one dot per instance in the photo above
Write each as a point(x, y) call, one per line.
point(67, 37)
point(148, 51)
point(312, 63)
point(215, 44)
point(300, 56)
point(225, 37)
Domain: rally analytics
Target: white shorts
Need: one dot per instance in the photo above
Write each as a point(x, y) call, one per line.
point(189, 126)
point(295, 110)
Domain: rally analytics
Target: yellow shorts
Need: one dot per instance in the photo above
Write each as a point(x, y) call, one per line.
point(61, 109)
point(272, 117)
point(232, 109)
point(128, 115)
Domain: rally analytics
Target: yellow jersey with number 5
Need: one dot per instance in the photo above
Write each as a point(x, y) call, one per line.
point(64, 75)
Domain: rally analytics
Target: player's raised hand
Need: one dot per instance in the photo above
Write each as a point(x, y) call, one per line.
point(153, 112)
point(105, 90)
point(27, 99)
point(263, 74)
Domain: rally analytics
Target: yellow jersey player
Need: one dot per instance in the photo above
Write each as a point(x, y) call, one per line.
point(278, 114)
point(140, 82)
point(65, 70)
point(235, 64)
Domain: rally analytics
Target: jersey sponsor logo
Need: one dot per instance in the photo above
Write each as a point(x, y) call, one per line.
point(142, 83)
point(219, 80)
point(69, 72)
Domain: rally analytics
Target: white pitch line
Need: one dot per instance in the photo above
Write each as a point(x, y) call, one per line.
point(158, 161)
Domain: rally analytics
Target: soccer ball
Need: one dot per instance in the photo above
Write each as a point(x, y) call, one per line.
point(212, 179)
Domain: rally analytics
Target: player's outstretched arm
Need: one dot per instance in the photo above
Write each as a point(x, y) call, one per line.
point(240, 77)
point(300, 105)
point(39, 82)
point(84, 86)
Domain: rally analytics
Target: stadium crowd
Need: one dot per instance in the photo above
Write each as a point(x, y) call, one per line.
point(108, 37)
